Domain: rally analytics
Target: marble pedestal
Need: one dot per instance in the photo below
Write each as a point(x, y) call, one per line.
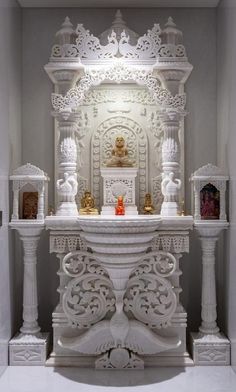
point(107, 338)
point(210, 349)
point(28, 350)
point(119, 181)
point(29, 346)
point(209, 346)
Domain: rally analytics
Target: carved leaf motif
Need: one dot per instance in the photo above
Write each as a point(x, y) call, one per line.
point(149, 295)
point(88, 297)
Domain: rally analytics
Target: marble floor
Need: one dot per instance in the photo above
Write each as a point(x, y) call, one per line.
point(191, 379)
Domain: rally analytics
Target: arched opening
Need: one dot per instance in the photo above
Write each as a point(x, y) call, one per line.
point(210, 202)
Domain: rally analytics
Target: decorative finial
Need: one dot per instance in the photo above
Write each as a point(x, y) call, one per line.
point(67, 22)
point(118, 19)
point(171, 34)
point(170, 22)
point(66, 33)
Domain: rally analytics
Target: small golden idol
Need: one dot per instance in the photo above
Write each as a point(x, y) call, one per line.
point(148, 207)
point(88, 205)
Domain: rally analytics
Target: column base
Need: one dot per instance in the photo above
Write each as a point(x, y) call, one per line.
point(66, 208)
point(28, 350)
point(210, 349)
point(170, 208)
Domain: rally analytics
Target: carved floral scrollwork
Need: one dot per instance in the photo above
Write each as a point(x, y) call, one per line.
point(149, 296)
point(88, 297)
point(117, 73)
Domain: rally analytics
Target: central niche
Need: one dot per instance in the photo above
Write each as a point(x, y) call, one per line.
point(128, 110)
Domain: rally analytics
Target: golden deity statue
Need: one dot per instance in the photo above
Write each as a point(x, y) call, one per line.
point(148, 207)
point(119, 154)
point(88, 205)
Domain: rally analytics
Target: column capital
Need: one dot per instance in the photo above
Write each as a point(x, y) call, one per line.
point(210, 229)
point(171, 115)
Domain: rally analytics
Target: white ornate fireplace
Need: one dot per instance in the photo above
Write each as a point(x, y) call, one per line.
point(119, 289)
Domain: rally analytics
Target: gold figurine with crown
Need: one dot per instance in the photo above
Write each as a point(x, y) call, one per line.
point(148, 207)
point(88, 205)
point(119, 154)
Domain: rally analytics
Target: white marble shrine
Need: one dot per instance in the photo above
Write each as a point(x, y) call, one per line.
point(119, 294)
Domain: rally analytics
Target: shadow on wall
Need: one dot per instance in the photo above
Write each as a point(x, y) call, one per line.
point(119, 378)
point(48, 282)
point(191, 283)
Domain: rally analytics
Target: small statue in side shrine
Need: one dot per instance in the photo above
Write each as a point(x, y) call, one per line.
point(88, 205)
point(120, 208)
point(119, 154)
point(148, 207)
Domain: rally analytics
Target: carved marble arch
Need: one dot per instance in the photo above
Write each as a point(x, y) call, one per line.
point(136, 141)
point(118, 73)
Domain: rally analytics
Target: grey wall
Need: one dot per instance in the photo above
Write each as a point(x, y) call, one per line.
point(226, 86)
point(199, 28)
point(10, 157)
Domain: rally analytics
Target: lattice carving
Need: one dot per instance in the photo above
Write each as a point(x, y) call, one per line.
point(117, 73)
point(150, 296)
point(89, 47)
point(156, 193)
point(175, 243)
point(82, 187)
point(65, 243)
point(88, 296)
point(29, 170)
point(114, 188)
point(96, 96)
point(102, 143)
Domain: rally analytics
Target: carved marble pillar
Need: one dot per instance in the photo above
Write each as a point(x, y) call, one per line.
point(16, 190)
point(67, 184)
point(209, 346)
point(41, 191)
point(29, 347)
point(171, 183)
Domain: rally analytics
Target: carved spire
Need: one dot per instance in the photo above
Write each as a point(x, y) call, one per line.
point(118, 26)
point(66, 35)
point(171, 34)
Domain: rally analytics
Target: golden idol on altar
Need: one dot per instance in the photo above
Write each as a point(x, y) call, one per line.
point(119, 154)
point(88, 205)
point(148, 207)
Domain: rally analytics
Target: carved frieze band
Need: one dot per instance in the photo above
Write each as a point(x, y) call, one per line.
point(174, 243)
point(66, 243)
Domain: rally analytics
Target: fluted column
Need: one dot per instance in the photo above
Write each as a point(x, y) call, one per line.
point(29, 234)
point(40, 214)
point(209, 345)
point(16, 189)
point(30, 346)
point(209, 234)
point(208, 313)
point(171, 184)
